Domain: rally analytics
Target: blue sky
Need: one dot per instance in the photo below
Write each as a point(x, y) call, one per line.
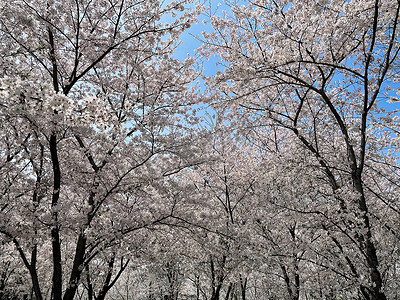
point(190, 42)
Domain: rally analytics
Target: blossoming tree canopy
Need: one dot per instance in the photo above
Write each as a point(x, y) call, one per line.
point(91, 101)
point(105, 173)
point(320, 69)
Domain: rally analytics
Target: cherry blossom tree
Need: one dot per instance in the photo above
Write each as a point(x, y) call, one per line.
point(214, 211)
point(321, 70)
point(93, 120)
point(293, 193)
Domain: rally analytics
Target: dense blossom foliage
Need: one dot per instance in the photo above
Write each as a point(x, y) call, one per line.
point(93, 116)
point(113, 187)
point(321, 71)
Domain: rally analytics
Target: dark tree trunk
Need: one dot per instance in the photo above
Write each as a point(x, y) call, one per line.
point(77, 268)
point(243, 286)
point(55, 234)
point(228, 292)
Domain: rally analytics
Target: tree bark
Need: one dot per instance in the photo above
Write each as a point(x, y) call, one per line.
point(55, 229)
point(77, 268)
